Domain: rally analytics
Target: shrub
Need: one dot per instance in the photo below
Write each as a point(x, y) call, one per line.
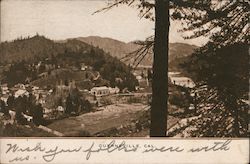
point(106, 101)
point(134, 100)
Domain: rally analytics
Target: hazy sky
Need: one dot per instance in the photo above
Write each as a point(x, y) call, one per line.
point(61, 19)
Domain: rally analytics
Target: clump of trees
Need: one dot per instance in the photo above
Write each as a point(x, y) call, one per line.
point(24, 105)
point(224, 72)
point(76, 104)
point(113, 70)
point(3, 108)
point(20, 109)
point(37, 113)
point(18, 73)
point(220, 66)
point(180, 97)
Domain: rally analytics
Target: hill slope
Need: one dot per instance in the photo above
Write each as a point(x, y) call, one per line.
point(119, 49)
point(38, 56)
point(29, 49)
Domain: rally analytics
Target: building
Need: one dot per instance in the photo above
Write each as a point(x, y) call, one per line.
point(83, 67)
point(4, 97)
point(103, 91)
point(182, 81)
point(4, 89)
point(21, 92)
point(100, 91)
point(20, 86)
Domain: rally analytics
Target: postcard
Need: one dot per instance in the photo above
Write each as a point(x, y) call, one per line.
point(124, 81)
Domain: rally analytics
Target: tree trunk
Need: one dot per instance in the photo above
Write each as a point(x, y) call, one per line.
point(160, 68)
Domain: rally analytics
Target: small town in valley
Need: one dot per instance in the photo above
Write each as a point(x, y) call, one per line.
point(81, 106)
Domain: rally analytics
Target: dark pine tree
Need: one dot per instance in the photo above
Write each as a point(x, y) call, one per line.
point(160, 69)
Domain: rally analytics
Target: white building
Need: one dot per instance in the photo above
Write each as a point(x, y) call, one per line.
point(100, 91)
point(5, 89)
point(83, 67)
point(103, 91)
point(182, 81)
point(21, 92)
point(60, 109)
point(20, 86)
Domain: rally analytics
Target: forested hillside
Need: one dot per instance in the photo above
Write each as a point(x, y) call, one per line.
point(30, 57)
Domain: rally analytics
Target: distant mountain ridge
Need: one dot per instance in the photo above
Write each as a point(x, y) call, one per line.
point(116, 48)
point(119, 49)
point(40, 47)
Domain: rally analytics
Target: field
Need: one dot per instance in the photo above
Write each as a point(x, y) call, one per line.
point(115, 115)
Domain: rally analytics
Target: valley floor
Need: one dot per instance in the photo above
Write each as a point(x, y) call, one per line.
point(111, 116)
point(118, 120)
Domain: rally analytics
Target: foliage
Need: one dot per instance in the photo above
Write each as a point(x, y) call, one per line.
point(180, 97)
point(134, 100)
point(221, 66)
point(15, 130)
point(37, 113)
point(18, 73)
point(225, 22)
point(106, 101)
point(225, 68)
point(76, 104)
point(3, 108)
point(223, 84)
point(20, 109)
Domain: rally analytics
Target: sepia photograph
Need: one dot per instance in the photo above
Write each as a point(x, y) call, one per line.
point(124, 68)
